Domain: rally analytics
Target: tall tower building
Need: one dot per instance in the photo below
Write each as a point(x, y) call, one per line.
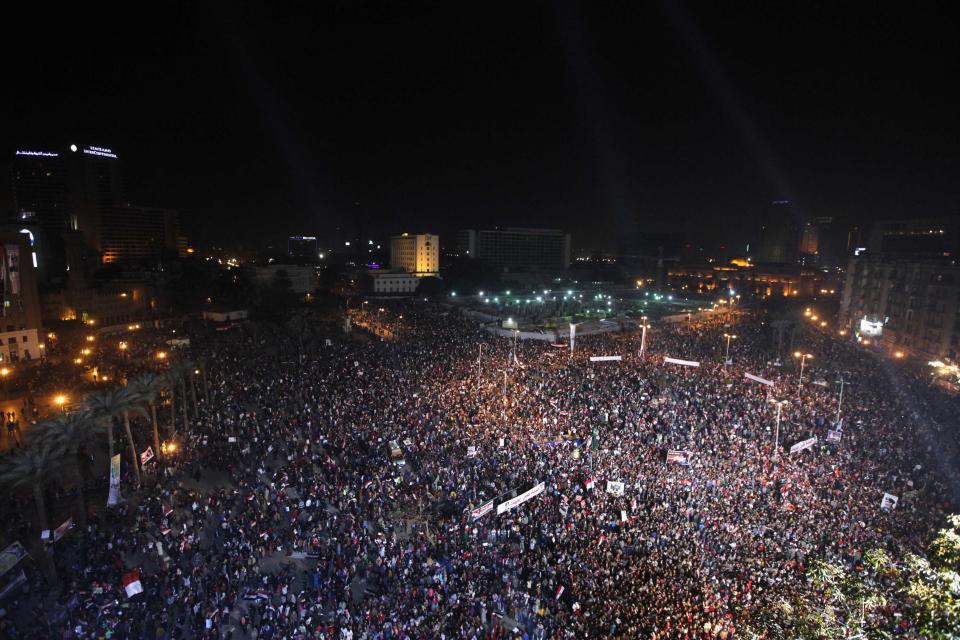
point(418, 254)
point(779, 233)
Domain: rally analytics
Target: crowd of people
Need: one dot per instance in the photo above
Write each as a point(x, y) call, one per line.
point(353, 492)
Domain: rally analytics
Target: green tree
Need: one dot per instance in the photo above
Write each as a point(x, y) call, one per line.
point(925, 591)
point(31, 466)
point(109, 404)
point(177, 376)
point(147, 388)
point(66, 433)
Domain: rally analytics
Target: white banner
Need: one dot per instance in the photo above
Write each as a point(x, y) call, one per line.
point(573, 337)
point(13, 268)
point(888, 502)
point(834, 436)
point(471, 451)
point(482, 510)
point(605, 358)
point(803, 444)
point(750, 376)
point(616, 488)
point(114, 495)
point(686, 363)
point(520, 499)
point(146, 456)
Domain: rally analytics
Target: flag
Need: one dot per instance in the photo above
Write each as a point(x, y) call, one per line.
point(131, 583)
point(559, 592)
point(589, 483)
point(113, 496)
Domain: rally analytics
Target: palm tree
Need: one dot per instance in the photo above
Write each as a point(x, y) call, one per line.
point(30, 466)
point(170, 384)
point(178, 373)
point(107, 405)
point(147, 387)
point(66, 433)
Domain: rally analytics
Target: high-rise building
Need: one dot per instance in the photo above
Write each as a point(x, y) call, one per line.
point(779, 234)
point(302, 248)
point(418, 254)
point(94, 190)
point(141, 235)
point(904, 290)
point(80, 189)
point(467, 243)
point(515, 248)
point(20, 325)
point(922, 237)
point(39, 204)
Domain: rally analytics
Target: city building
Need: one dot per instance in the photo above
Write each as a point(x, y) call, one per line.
point(903, 288)
point(303, 277)
point(918, 238)
point(417, 254)
point(20, 321)
point(779, 234)
point(466, 243)
point(518, 249)
point(393, 282)
point(302, 248)
point(141, 235)
point(765, 280)
point(79, 189)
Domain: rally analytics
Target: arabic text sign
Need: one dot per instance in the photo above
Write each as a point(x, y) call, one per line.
point(520, 499)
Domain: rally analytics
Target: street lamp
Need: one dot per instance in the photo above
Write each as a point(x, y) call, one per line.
point(61, 401)
point(643, 337)
point(803, 359)
point(161, 355)
point(726, 358)
point(776, 433)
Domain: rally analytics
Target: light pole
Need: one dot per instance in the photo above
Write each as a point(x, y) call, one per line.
point(643, 337)
point(803, 359)
point(776, 433)
point(479, 355)
point(726, 357)
point(841, 382)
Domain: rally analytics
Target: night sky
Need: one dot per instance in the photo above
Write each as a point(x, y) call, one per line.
point(258, 121)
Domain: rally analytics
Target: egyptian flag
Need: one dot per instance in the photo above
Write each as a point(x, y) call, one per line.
point(131, 583)
point(589, 483)
point(559, 592)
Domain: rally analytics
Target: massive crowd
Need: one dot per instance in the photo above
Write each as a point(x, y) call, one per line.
point(316, 531)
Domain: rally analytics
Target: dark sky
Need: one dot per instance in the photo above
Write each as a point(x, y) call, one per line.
point(261, 120)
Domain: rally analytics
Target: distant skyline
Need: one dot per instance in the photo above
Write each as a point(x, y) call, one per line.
point(260, 121)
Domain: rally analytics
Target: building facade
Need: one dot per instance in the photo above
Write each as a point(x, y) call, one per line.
point(910, 304)
point(302, 248)
point(142, 235)
point(20, 322)
point(522, 249)
point(394, 282)
point(417, 254)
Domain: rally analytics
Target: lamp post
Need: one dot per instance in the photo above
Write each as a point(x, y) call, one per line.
point(479, 355)
point(776, 433)
point(841, 382)
point(643, 337)
point(726, 357)
point(803, 359)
